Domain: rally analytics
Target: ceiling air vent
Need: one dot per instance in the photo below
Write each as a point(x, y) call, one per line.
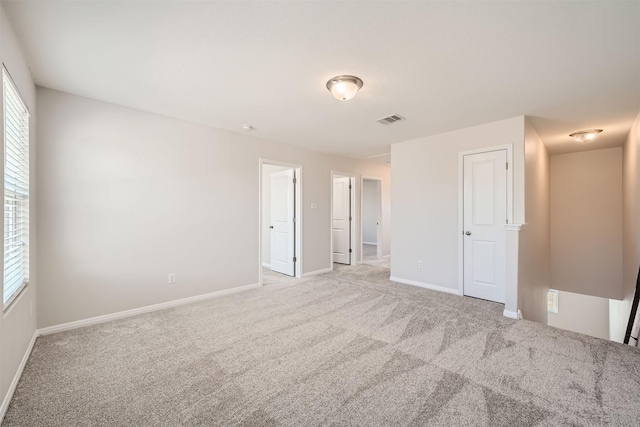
point(390, 119)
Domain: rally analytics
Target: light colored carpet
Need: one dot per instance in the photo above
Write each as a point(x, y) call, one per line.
point(348, 348)
point(271, 277)
point(369, 256)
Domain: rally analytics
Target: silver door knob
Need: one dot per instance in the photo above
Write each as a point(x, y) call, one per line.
point(468, 233)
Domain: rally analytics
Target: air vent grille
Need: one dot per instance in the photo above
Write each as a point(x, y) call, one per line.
point(390, 119)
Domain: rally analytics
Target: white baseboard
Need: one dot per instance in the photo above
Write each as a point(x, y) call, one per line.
point(266, 264)
point(316, 272)
point(424, 285)
point(510, 314)
point(370, 243)
point(146, 309)
point(387, 256)
point(16, 377)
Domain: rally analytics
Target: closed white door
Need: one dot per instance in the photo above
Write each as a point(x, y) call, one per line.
point(283, 222)
point(341, 220)
point(485, 216)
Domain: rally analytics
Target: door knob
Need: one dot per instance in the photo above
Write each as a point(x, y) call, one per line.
point(468, 233)
point(271, 226)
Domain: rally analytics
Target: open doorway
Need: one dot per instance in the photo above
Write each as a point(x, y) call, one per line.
point(342, 215)
point(371, 219)
point(280, 222)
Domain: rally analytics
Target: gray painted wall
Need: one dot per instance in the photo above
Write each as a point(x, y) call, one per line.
point(619, 310)
point(128, 197)
point(425, 198)
point(586, 222)
point(534, 271)
point(18, 323)
point(584, 314)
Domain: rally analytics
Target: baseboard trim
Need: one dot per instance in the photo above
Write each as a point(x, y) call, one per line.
point(370, 243)
point(266, 264)
point(316, 272)
point(16, 377)
point(510, 314)
point(146, 309)
point(387, 256)
point(424, 285)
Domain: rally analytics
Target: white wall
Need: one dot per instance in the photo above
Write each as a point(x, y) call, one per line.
point(267, 170)
point(17, 325)
point(533, 271)
point(619, 310)
point(425, 198)
point(127, 197)
point(586, 222)
point(582, 313)
point(370, 209)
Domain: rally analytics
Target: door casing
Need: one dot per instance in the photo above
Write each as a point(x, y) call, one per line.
point(378, 214)
point(299, 239)
point(285, 224)
point(355, 242)
point(509, 149)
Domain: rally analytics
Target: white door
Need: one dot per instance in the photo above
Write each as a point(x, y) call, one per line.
point(341, 220)
point(485, 216)
point(283, 222)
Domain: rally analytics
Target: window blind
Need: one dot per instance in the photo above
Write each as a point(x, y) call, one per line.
point(16, 191)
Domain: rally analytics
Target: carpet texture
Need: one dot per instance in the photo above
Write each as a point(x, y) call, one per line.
point(347, 348)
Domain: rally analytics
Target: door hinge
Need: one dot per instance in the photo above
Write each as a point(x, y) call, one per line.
point(349, 186)
point(295, 180)
point(350, 219)
point(294, 219)
point(507, 165)
point(350, 250)
point(295, 259)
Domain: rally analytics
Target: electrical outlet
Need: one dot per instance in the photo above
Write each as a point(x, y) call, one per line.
point(420, 264)
point(171, 278)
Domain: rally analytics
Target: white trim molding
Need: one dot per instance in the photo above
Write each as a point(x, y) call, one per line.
point(355, 235)
point(510, 199)
point(510, 314)
point(299, 238)
point(146, 309)
point(511, 290)
point(425, 285)
point(515, 227)
point(16, 377)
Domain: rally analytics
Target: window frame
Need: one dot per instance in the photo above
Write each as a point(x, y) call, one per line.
point(7, 82)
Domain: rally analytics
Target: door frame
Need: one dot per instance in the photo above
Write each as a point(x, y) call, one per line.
point(298, 212)
point(461, 154)
point(355, 253)
point(379, 215)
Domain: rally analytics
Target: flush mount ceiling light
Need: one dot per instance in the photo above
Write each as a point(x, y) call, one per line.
point(344, 87)
point(585, 135)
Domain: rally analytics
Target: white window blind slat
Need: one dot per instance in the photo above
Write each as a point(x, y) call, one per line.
point(16, 191)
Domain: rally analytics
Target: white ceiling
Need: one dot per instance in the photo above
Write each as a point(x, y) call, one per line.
point(442, 65)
